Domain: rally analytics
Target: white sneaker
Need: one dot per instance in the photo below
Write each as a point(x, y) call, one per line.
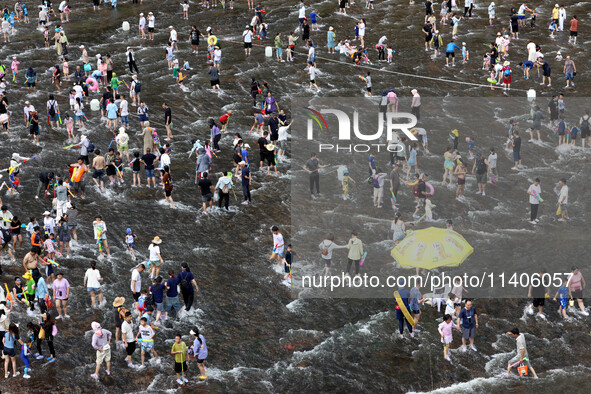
point(537, 220)
point(463, 348)
point(483, 194)
point(27, 376)
point(473, 348)
point(585, 313)
point(561, 220)
point(478, 192)
point(179, 381)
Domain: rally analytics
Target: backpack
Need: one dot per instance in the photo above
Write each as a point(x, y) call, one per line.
point(150, 299)
point(415, 190)
point(481, 166)
point(90, 148)
point(185, 285)
point(376, 183)
point(507, 71)
point(324, 251)
point(51, 110)
point(225, 189)
point(7, 236)
point(138, 86)
point(585, 124)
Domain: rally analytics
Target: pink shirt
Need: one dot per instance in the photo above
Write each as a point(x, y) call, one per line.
point(445, 328)
point(61, 289)
point(575, 282)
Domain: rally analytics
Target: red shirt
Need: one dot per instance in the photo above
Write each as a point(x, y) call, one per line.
point(574, 24)
point(224, 118)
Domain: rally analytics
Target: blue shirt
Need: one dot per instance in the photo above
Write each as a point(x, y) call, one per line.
point(412, 157)
point(200, 348)
point(372, 164)
point(173, 291)
point(313, 17)
point(528, 64)
point(415, 295)
point(158, 292)
point(10, 339)
point(112, 111)
point(451, 47)
point(471, 145)
point(245, 155)
point(188, 276)
point(467, 316)
point(563, 292)
point(245, 173)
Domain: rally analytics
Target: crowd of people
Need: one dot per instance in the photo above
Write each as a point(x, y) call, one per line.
point(42, 285)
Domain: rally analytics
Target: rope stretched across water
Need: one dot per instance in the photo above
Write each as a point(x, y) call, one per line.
point(369, 67)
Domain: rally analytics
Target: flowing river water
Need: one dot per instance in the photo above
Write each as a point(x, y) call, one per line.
point(264, 336)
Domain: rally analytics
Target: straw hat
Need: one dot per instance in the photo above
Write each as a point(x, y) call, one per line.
point(506, 63)
point(270, 147)
point(157, 240)
point(331, 28)
point(118, 301)
point(46, 213)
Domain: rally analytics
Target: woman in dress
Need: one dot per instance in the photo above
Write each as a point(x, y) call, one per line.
point(330, 36)
point(398, 228)
point(448, 165)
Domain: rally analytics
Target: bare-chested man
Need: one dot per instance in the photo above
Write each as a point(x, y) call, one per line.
point(31, 262)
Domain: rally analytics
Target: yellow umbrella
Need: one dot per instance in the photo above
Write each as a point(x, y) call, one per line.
point(431, 248)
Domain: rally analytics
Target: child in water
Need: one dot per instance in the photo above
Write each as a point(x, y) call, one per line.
point(69, 122)
point(129, 241)
point(346, 182)
point(287, 263)
point(428, 209)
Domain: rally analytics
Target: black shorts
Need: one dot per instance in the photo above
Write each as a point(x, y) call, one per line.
point(150, 29)
point(369, 89)
point(461, 181)
point(448, 54)
point(428, 38)
point(584, 133)
point(8, 351)
point(31, 84)
point(538, 302)
point(577, 294)
point(247, 45)
point(136, 296)
point(167, 193)
point(327, 262)
point(194, 42)
point(130, 348)
point(216, 82)
point(180, 367)
point(262, 155)
point(573, 33)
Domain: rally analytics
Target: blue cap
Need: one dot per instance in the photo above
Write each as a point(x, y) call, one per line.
point(128, 230)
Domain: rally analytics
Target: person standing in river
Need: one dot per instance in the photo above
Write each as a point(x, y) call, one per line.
point(522, 356)
point(469, 319)
point(188, 285)
point(312, 166)
point(534, 192)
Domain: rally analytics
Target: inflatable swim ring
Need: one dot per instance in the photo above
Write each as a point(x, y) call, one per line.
point(92, 84)
point(212, 40)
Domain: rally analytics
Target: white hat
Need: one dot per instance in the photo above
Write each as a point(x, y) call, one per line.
point(556, 5)
point(246, 146)
point(463, 43)
point(170, 27)
point(82, 137)
point(27, 102)
point(46, 213)
point(141, 14)
point(98, 55)
point(14, 57)
point(150, 13)
point(208, 28)
point(81, 46)
point(242, 163)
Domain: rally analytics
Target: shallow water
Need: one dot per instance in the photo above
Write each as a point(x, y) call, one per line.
point(263, 336)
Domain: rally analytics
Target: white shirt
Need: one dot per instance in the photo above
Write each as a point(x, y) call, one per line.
point(127, 332)
point(361, 29)
point(151, 21)
point(142, 21)
point(92, 278)
point(492, 160)
point(154, 252)
point(123, 106)
point(62, 6)
point(247, 36)
point(42, 15)
point(311, 51)
point(28, 110)
point(521, 10)
point(79, 91)
point(312, 71)
point(135, 275)
point(217, 55)
point(536, 190)
point(185, 7)
point(173, 35)
point(302, 11)
point(563, 193)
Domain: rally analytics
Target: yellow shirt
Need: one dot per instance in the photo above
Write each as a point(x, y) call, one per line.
point(180, 357)
point(555, 13)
